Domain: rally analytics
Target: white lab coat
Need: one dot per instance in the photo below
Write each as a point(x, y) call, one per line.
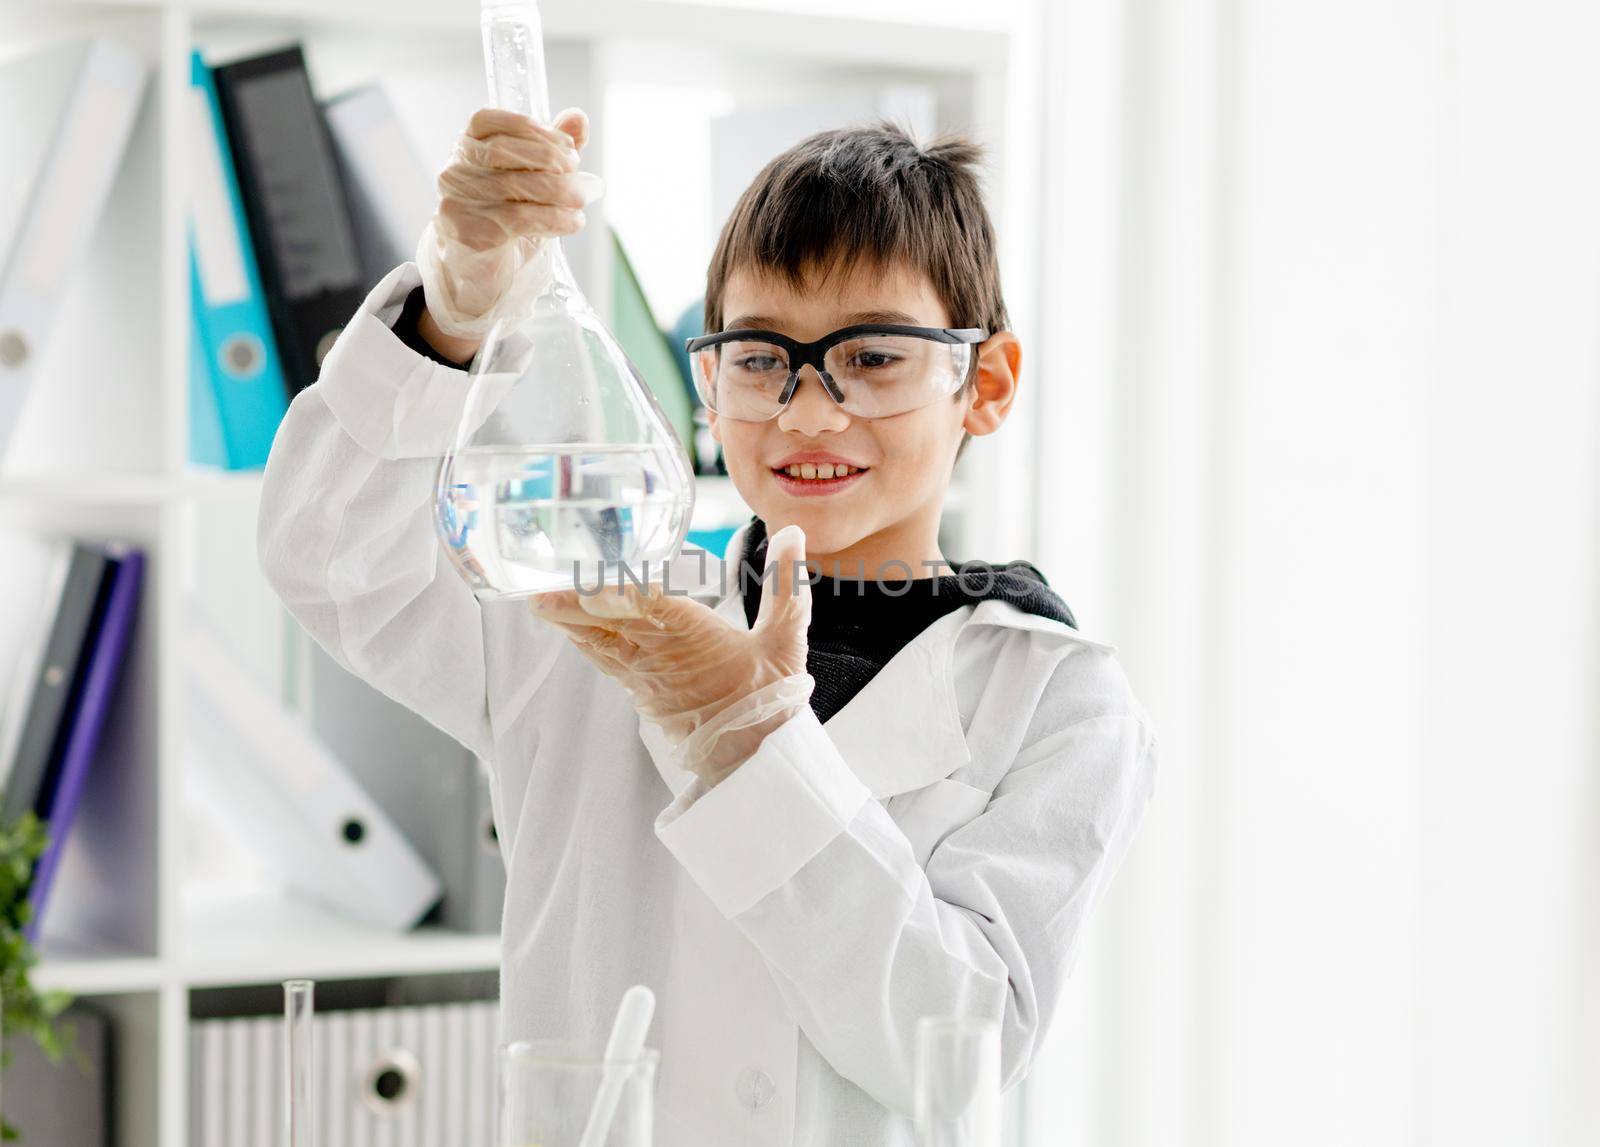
point(935, 847)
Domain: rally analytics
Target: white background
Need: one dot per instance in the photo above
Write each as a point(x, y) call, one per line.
point(1321, 388)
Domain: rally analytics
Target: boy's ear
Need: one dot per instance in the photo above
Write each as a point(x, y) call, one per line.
point(995, 387)
point(716, 434)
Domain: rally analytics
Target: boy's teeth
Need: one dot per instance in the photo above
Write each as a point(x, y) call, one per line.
point(820, 470)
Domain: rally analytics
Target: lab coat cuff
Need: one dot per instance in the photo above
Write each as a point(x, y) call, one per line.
point(750, 834)
point(394, 402)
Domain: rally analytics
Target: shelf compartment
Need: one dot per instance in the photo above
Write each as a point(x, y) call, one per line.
point(107, 892)
point(267, 938)
point(85, 970)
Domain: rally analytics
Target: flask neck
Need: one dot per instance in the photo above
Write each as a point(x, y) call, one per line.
point(513, 58)
point(560, 269)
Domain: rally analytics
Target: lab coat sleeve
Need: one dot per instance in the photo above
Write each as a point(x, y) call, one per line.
point(345, 534)
point(863, 941)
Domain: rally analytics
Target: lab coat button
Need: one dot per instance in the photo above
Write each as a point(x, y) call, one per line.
point(755, 1088)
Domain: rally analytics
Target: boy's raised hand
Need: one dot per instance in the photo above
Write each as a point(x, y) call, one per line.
point(511, 184)
point(714, 689)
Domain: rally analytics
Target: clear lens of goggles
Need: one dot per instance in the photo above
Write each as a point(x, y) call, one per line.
point(873, 376)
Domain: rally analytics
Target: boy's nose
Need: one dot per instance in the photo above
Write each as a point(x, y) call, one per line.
point(810, 410)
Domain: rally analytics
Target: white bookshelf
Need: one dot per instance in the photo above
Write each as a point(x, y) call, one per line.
point(102, 450)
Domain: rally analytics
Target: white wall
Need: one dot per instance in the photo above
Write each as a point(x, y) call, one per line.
point(1328, 288)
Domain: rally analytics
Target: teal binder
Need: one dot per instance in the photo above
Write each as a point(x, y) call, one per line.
point(205, 424)
point(235, 354)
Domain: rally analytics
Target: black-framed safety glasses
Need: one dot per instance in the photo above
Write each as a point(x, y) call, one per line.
point(871, 370)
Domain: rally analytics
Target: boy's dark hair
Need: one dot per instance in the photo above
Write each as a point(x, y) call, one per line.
point(869, 195)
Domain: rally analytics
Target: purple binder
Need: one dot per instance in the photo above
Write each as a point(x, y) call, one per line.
point(80, 735)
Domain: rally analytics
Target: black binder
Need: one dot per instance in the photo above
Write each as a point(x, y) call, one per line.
point(28, 787)
point(296, 204)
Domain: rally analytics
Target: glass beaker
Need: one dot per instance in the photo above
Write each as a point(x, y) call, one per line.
point(564, 470)
point(958, 1082)
point(551, 1095)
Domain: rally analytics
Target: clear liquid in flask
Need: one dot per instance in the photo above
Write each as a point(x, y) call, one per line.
point(527, 519)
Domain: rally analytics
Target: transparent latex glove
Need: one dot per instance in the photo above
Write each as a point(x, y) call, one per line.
point(511, 184)
point(714, 689)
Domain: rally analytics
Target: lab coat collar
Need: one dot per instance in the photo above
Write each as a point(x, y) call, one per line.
point(903, 729)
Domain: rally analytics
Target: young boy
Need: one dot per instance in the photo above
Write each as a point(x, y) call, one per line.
point(805, 816)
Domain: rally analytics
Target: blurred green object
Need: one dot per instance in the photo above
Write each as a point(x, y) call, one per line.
point(23, 1011)
point(690, 323)
point(646, 346)
point(707, 452)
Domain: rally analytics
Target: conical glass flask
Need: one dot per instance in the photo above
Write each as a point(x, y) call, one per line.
point(564, 470)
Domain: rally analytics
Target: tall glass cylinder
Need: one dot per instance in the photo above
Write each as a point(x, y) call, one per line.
point(958, 1082)
point(553, 1096)
point(298, 1011)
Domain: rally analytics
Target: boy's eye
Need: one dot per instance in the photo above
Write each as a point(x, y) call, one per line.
point(872, 359)
point(759, 363)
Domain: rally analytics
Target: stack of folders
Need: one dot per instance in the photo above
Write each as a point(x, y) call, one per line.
point(423, 1076)
point(68, 112)
point(261, 768)
point(297, 209)
point(66, 624)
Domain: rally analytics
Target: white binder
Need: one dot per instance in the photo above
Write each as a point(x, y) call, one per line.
point(388, 178)
point(435, 791)
point(265, 1080)
point(69, 110)
point(420, 1076)
point(292, 799)
point(35, 575)
point(239, 1080)
point(213, 1071)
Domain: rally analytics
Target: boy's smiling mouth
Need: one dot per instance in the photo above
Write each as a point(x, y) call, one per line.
point(815, 472)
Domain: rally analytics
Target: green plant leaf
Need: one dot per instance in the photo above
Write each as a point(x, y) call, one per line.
point(24, 1011)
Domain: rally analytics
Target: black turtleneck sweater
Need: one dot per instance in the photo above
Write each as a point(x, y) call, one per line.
point(857, 624)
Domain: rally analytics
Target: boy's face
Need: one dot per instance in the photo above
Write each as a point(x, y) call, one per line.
point(905, 459)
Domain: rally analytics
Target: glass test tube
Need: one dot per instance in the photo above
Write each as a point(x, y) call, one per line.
point(298, 1010)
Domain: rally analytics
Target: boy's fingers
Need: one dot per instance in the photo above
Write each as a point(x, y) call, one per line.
point(487, 122)
point(552, 188)
point(471, 186)
point(614, 604)
point(671, 615)
point(485, 230)
point(786, 587)
point(608, 650)
point(551, 152)
point(565, 608)
point(575, 122)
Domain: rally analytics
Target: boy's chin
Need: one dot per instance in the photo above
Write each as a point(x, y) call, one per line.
point(824, 534)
